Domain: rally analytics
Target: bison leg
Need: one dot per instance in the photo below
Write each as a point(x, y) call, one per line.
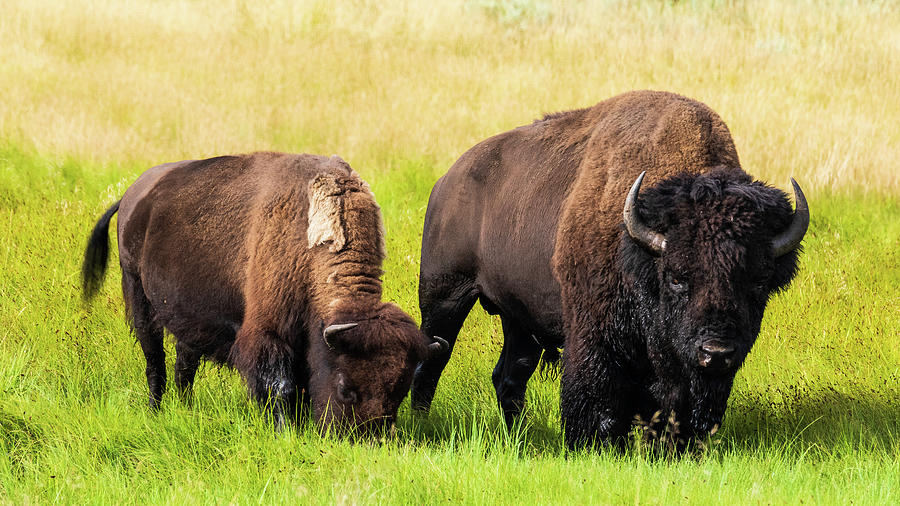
point(518, 360)
point(149, 334)
point(594, 400)
point(265, 361)
point(186, 363)
point(443, 314)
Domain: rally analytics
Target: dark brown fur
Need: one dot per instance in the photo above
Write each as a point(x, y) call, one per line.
point(218, 252)
point(530, 223)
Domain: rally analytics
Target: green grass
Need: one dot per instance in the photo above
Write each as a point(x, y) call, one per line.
point(814, 416)
point(93, 96)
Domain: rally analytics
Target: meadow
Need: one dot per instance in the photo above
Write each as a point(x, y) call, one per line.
point(93, 92)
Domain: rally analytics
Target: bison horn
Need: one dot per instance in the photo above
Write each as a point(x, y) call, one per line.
point(788, 240)
point(635, 225)
point(439, 346)
point(332, 330)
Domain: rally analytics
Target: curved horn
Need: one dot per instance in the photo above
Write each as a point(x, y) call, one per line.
point(438, 346)
point(635, 225)
point(788, 240)
point(332, 330)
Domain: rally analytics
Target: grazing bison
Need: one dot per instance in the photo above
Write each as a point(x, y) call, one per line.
point(656, 307)
point(271, 263)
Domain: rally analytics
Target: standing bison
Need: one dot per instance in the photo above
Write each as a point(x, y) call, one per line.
point(270, 263)
point(657, 306)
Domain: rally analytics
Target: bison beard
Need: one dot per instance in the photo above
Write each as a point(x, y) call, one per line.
point(656, 294)
point(270, 263)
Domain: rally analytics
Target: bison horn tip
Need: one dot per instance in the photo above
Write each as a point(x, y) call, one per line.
point(788, 240)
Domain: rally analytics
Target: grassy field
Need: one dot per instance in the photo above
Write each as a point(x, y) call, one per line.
point(95, 91)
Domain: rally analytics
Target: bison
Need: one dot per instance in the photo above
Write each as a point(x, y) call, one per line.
point(270, 263)
point(626, 233)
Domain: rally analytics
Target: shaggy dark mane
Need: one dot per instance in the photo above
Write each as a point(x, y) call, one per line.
point(731, 189)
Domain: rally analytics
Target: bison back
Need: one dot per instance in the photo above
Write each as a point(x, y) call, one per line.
point(189, 232)
point(490, 226)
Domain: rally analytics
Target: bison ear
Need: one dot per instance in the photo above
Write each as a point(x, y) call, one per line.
point(330, 334)
point(438, 347)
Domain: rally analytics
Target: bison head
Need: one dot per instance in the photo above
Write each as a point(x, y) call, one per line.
point(705, 253)
point(368, 368)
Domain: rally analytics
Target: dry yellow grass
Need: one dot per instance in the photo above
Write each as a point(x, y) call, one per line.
point(809, 89)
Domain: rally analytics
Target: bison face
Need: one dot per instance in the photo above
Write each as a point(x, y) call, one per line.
point(706, 252)
point(366, 391)
point(710, 312)
point(370, 365)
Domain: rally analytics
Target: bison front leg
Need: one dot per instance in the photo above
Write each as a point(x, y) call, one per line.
point(265, 361)
point(594, 401)
point(518, 360)
point(444, 306)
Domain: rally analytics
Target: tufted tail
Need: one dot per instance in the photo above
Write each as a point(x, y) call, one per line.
point(96, 255)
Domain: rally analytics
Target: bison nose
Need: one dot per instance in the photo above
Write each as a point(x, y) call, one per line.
point(716, 355)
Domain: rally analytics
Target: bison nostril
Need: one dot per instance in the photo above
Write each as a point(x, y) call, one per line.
point(716, 355)
point(715, 347)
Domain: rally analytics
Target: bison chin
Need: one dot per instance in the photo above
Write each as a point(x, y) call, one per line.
point(341, 421)
point(708, 398)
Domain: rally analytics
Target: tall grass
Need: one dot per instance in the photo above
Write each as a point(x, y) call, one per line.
point(805, 86)
point(94, 92)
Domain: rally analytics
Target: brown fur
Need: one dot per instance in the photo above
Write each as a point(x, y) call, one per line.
point(246, 259)
point(662, 133)
point(530, 223)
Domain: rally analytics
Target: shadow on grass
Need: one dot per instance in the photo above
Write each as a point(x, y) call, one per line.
point(452, 427)
point(22, 438)
point(823, 421)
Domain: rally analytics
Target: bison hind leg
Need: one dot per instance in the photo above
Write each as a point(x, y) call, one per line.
point(187, 360)
point(149, 335)
point(518, 361)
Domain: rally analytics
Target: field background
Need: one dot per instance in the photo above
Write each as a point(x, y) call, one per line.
point(93, 92)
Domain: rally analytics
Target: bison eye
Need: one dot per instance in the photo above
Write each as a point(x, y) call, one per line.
point(677, 285)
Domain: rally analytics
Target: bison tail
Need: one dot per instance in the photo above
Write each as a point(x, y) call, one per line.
point(549, 365)
point(96, 255)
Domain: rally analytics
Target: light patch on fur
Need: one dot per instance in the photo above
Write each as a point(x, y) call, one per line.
point(325, 209)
